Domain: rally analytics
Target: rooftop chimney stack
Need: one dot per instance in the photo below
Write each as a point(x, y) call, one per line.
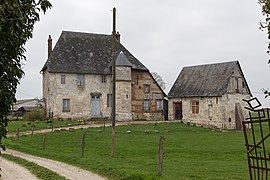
point(118, 36)
point(49, 46)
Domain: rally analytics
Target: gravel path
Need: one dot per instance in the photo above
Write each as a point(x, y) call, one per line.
point(11, 171)
point(68, 171)
point(121, 123)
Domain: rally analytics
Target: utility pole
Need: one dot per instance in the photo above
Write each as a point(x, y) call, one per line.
point(113, 79)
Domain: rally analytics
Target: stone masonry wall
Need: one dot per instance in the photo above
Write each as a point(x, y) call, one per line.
point(123, 94)
point(80, 96)
point(130, 95)
point(213, 111)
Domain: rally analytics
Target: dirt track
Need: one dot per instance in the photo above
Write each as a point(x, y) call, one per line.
point(88, 126)
point(68, 171)
point(11, 171)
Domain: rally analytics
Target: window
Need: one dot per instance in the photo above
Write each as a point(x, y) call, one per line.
point(109, 100)
point(63, 79)
point(80, 79)
point(146, 105)
point(66, 105)
point(103, 78)
point(137, 79)
point(237, 85)
point(195, 107)
point(159, 105)
point(147, 88)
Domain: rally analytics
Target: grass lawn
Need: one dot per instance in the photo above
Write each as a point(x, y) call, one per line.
point(190, 152)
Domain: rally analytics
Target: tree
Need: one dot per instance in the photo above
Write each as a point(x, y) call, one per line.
point(17, 19)
point(159, 80)
point(265, 4)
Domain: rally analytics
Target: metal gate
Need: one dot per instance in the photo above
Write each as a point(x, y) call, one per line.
point(256, 130)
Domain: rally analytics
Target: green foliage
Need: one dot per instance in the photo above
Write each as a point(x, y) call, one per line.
point(265, 4)
point(189, 152)
point(38, 171)
point(33, 115)
point(17, 19)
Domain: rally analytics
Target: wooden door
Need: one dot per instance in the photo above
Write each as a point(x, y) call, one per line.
point(178, 111)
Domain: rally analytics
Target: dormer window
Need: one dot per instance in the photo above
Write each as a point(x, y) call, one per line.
point(80, 79)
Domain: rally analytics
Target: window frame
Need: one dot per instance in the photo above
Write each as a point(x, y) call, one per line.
point(103, 78)
point(146, 105)
point(159, 105)
point(146, 88)
point(80, 79)
point(66, 105)
point(109, 100)
point(63, 79)
point(195, 107)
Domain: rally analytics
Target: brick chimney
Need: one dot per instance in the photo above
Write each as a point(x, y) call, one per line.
point(49, 46)
point(118, 36)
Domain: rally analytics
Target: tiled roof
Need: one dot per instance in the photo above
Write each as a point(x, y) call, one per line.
point(204, 80)
point(87, 53)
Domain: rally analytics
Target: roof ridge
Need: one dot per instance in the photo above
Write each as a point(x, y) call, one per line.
point(85, 33)
point(225, 62)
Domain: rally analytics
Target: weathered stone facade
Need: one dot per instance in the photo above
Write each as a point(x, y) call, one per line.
point(216, 112)
point(130, 95)
point(80, 96)
point(123, 93)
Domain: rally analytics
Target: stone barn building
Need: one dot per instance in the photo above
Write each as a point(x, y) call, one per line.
point(210, 95)
point(77, 82)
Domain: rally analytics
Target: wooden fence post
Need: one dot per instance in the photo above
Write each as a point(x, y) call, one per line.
point(83, 143)
point(161, 153)
point(17, 134)
point(32, 132)
point(44, 141)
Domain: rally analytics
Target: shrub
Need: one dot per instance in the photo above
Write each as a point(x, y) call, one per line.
point(48, 121)
point(34, 115)
point(28, 123)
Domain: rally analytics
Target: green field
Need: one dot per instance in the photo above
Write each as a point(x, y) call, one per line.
point(190, 152)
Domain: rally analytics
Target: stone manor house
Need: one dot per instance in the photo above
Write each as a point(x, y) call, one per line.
point(77, 81)
point(210, 95)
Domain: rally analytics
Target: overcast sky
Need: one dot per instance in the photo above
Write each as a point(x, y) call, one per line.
point(164, 35)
